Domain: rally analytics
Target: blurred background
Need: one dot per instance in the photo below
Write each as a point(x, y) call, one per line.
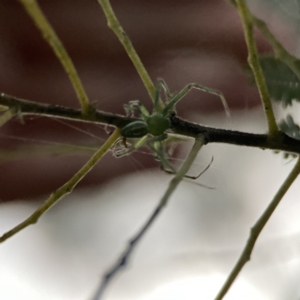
point(198, 238)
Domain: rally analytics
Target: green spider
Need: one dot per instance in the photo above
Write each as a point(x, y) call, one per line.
point(158, 122)
point(152, 129)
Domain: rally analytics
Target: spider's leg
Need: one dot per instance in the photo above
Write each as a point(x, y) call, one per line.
point(186, 89)
point(161, 84)
point(202, 172)
point(119, 149)
point(172, 171)
point(156, 146)
point(122, 148)
point(135, 106)
point(157, 96)
point(129, 109)
point(164, 86)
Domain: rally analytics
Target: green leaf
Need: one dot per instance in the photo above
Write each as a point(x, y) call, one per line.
point(290, 128)
point(282, 83)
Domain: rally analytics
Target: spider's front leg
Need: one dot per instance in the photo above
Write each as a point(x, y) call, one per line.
point(135, 106)
point(161, 84)
point(122, 148)
point(157, 146)
point(172, 103)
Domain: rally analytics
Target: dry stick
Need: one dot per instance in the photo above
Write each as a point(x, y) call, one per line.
point(122, 261)
point(116, 27)
point(256, 230)
point(255, 66)
point(52, 39)
point(65, 189)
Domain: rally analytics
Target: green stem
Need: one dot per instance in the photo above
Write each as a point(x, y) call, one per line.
point(255, 66)
point(116, 27)
point(256, 230)
point(64, 190)
point(34, 11)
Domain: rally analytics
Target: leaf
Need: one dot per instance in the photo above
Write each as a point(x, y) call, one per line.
point(282, 83)
point(290, 128)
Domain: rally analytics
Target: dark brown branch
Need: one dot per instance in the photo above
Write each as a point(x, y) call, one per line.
point(26, 107)
point(281, 142)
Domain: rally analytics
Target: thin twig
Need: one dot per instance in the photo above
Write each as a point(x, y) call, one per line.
point(122, 261)
point(65, 189)
point(42, 151)
point(114, 24)
point(256, 68)
point(34, 11)
point(256, 230)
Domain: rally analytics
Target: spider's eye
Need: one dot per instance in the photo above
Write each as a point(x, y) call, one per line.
point(136, 129)
point(157, 124)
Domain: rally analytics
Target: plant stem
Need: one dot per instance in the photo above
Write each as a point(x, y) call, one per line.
point(256, 230)
point(114, 24)
point(65, 189)
point(34, 11)
point(280, 142)
point(255, 66)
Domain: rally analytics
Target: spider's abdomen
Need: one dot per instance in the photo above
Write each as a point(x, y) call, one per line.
point(157, 124)
point(136, 129)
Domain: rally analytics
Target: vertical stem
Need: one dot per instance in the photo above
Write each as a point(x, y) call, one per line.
point(65, 189)
point(255, 66)
point(256, 230)
point(34, 11)
point(116, 27)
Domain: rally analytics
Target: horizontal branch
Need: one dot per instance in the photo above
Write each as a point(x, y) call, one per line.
point(280, 142)
point(25, 107)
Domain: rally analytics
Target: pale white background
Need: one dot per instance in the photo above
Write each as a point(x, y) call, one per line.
point(189, 250)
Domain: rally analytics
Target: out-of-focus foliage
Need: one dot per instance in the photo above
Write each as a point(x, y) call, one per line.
point(282, 83)
point(289, 127)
